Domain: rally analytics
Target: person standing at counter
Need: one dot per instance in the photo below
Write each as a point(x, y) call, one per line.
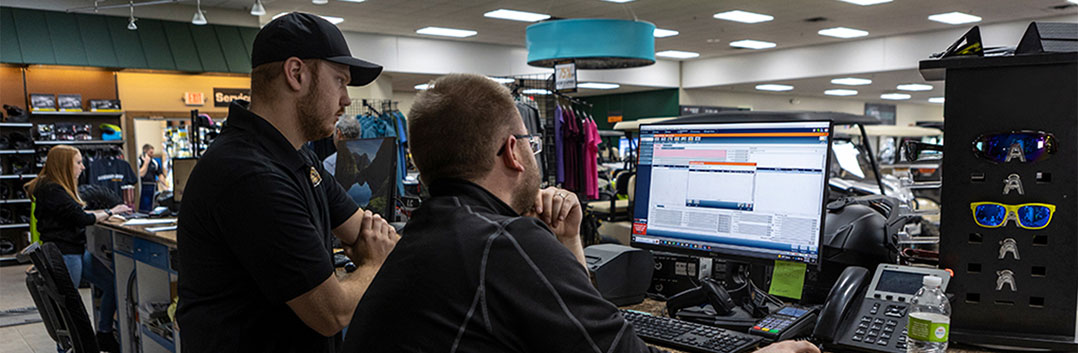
point(148, 171)
point(260, 211)
point(61, 220)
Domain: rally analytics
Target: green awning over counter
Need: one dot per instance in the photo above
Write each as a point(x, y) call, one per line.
point(58, 38)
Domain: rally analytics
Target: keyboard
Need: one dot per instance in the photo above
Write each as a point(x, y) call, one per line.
point(688, 336)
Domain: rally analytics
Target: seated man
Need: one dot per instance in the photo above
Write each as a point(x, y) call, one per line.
point(489, 263)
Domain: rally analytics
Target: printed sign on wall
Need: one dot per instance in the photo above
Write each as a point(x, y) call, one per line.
point(222, 97)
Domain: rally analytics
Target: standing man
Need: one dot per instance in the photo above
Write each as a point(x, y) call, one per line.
point(260, 212)
point(490, 263)
point(348, 128)
point(148, 171)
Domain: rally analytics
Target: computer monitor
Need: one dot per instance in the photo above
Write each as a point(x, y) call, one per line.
point(367, 169)
point(623, 148)
point(743, 191)
point(181, 171)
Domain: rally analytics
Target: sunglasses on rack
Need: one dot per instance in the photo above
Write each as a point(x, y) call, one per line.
point(913, 149)
point(1024, 146)
point(1027, 215)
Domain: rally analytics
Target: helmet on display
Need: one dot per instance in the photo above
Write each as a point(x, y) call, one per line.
point(110, 132)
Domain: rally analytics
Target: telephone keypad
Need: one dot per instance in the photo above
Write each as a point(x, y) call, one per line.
point(878, 328)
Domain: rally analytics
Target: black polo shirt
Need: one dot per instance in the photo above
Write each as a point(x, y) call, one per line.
point(254, 233)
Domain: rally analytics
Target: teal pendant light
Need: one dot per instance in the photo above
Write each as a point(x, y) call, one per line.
point(592, 43)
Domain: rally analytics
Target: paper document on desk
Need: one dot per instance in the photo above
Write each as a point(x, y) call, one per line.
point(148, 221)
point(160, 229)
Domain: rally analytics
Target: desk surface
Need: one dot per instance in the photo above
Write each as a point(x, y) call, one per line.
point(655, 307)
point(167, 237)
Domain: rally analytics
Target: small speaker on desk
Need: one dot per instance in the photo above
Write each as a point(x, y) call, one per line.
point(621, 274)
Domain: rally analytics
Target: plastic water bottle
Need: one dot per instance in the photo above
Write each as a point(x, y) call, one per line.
point(929, 320)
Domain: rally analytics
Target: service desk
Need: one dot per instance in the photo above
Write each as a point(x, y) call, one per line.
point(145, 283)
point(655, 307)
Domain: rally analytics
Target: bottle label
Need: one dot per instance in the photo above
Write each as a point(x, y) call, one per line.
point(927, 330)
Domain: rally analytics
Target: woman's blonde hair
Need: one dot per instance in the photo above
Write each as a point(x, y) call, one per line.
point(60, 169)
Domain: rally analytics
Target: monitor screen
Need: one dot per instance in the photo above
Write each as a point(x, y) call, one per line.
point(750, 191)
point(181, 171)
point(367, 169)
point(623, 148)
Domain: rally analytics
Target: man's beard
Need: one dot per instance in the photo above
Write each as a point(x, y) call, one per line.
point(525, 193)
point(311, 123)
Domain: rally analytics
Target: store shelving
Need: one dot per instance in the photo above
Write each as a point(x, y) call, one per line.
point(17, 176)
point(15, 226)
point(15, 201)
point(83, 142)
point(16, 125)
point(87, 114)
point(17, 152)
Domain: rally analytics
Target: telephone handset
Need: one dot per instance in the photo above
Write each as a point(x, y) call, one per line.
point(709, 292)
point(871, 316)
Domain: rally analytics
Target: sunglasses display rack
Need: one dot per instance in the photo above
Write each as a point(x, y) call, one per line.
point(1010, 162)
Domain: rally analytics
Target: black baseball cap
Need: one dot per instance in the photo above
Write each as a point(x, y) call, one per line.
point(308, 36)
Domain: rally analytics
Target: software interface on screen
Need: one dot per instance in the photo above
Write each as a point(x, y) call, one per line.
point(747, 189)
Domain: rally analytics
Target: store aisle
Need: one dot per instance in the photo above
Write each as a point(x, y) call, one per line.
point(13, 294)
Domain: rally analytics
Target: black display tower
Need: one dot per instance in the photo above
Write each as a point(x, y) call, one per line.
point(985, 95)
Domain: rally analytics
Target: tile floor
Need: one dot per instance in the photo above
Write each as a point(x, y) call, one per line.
point(29, 338)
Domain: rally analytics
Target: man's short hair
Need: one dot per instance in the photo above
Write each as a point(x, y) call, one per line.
point(349, 127)
point(457, 125)
point(146, 147)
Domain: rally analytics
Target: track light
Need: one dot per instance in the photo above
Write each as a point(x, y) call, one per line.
point(257, 9)
point(199, 18)
point(131, 20)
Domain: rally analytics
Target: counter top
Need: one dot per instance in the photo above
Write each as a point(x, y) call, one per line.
point(166, 237)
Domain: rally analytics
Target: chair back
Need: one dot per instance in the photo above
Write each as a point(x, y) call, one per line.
point(57, 299)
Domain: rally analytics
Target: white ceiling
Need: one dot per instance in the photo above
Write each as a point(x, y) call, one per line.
point(882, 82)
point(693, 18)
point(406, 82)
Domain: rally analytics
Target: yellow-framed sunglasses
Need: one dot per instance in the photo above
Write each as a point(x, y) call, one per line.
point(1026, 215)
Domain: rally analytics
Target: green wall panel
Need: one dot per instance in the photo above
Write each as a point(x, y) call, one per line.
point(9, 41)
point(33, 34)
point(183, 46)
point(633, 106)
point(209, 49)
point(66, 41)
point(155, 46)
point(234, 49)
point(248, 35)
point(126, 43)
point(97, 41)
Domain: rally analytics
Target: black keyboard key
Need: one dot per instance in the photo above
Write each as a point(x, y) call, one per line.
point(688, 336)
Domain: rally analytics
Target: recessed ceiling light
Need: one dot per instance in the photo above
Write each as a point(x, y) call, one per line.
point(501, 80)
point(774, 87)
point(663, 33)
point(598, 85)
point(331, 19)
point(940, 99)
point(677, 54)
point(954, 18)
point(866, 2)
point(914, 87)
point(536, 91)
point(842, 32)
point(619, 1)
point(840, 92)
point(752, 44)
point(743, 16)
point(446, 32)
point(422, 86)
point(895, 96)
point(851, 81)
point(522, 16)
point(1073, 1)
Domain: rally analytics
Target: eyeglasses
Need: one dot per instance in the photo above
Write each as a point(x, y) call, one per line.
point(536, 141)
point(913, 149)
point(1027, 215)
point(1025, 146)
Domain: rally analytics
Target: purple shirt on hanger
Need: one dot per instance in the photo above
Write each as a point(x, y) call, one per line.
point(558, 154)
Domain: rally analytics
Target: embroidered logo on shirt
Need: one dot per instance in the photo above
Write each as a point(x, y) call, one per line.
point(316, 179)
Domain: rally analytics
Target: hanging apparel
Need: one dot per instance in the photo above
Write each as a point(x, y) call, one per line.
point(532, 123)
point(559, 151)
point(591, 164)
point(111, 173)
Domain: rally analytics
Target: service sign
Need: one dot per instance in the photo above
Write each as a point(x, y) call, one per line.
point(565, 77)
point(222, 97)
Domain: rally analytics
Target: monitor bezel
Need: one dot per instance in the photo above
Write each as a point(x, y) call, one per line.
point(724, 252)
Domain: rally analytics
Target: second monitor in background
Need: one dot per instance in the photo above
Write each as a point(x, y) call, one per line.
point(367, 169)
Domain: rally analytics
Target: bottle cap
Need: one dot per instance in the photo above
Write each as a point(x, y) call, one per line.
point(932, 281)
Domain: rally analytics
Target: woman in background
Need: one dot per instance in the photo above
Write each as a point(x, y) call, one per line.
point(61, 220)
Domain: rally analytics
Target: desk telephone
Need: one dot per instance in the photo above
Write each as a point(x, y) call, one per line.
point(871, 316)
